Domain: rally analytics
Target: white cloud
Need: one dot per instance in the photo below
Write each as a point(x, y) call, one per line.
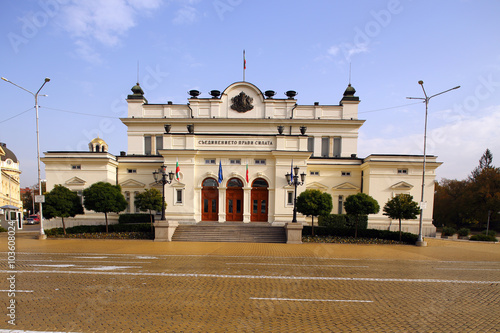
point(185, 15)
point(347, 50)
point(459, 144)
point(93, 22)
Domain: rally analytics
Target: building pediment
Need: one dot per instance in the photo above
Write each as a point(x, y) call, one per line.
point(75, 181)
point(131, 183)
point(346, 186)
point(402, 186)
point(178, 184)
point(316, 186)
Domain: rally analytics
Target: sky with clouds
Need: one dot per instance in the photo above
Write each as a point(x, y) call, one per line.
point(95, 51)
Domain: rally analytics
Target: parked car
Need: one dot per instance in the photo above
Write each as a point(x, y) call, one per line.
point(35, 217)
point(29, 220)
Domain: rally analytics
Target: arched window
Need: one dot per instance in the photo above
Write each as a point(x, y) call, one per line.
point(234, 182)
point(97, 148)
point(209, 182)
point(259, 182)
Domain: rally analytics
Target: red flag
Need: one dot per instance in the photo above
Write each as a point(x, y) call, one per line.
point(244, 61)
point(247, 172)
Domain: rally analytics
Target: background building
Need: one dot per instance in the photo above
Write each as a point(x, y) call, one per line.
point(10, 196)
point(254, 138)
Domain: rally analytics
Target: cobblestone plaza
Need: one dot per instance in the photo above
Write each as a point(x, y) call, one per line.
point(142, 286)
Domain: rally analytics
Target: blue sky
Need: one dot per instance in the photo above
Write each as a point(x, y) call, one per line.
point(90, 51)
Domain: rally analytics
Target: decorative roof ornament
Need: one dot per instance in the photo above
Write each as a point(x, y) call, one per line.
point(349, 94)
point(242, 102)
point(138, 93)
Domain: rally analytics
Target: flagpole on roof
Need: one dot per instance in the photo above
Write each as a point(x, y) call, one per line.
point(244, 65)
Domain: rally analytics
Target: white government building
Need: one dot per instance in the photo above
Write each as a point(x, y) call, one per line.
point(237, 130)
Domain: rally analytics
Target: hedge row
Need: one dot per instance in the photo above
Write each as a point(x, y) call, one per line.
point(406, 237)
point(82, 229)
point(343, 221)
point(135, 218)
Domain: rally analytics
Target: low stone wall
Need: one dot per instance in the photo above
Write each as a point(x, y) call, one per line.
point(75, 221)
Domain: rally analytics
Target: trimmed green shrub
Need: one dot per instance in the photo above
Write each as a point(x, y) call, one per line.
point(406, 237)
point(343, 221)
point(463, 232)
point(492, 233)
point(483, 238)
point(3, 229)
point(135, 218)
point(448, 231)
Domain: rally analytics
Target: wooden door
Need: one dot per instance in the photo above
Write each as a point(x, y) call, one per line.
point(209, 200)
point(259, 201)
point(234, 200)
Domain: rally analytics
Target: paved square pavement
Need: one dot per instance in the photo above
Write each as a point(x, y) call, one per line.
point(71, 285)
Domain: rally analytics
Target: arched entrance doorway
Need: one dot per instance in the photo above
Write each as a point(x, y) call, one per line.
point(234, 200)
point(209, 200)
point(259, 200)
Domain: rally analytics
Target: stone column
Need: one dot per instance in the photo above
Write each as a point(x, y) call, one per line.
point(294, 233)
point(164, 230)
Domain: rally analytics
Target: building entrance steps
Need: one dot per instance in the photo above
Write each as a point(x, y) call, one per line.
point(230, 232)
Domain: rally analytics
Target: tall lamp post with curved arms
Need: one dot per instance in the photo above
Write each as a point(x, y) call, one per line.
point(420, 240)
point(42, 233)
point(293, 179)
point(160, 177)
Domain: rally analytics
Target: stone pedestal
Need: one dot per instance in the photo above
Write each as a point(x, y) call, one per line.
point(421, 243)
point(294, 233)
point(164, 230)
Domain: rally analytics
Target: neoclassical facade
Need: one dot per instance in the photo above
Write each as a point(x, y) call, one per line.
point(10, 189)
point(234, 149)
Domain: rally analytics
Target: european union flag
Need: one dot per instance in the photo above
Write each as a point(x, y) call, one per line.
point(220, 172)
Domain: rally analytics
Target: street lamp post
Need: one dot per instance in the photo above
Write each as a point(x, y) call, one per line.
point(293, 179)
point(160, 177)
point(42, 233)
point(420, 240)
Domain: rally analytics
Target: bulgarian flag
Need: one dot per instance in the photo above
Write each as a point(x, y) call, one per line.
point(177, 169)
point(247, 172)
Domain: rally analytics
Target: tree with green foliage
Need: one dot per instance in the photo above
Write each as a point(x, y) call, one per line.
point(104, 198)
point(358, 205)
point(401, 207)
point(149, 200)
point(61, 202)
point(314, 203)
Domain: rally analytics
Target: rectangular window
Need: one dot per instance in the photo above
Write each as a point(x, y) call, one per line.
point(346, 173)
point(314, 173)
point(127, 197)
point(76, 167)
point(230, 206)
point(402, 171)
point(235, 162)
point(205, 205)
point(159, 144)
point(255, 206)
point(310, 144)
point(289, 197)
point(209, 161)
point(178, 193)
point(260, 162)
point(325, 146)
point(337, 147)
point(135, 207)
point(341, 204)
point(147, 145)
point(132, 170)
